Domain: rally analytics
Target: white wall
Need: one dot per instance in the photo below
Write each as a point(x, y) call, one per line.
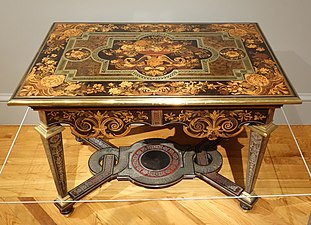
point(24, 24)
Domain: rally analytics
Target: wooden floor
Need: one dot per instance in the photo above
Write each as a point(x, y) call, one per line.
point(26, 179)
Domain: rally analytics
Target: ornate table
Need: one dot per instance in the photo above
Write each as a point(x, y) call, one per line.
point(101, 78)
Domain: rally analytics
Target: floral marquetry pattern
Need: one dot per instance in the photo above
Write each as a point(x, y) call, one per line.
point(213, 124)
point(77, 54)
point(100, 124)
point(154, 59)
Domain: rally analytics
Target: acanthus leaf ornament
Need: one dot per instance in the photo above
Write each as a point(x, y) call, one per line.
point(97, 123)
point(213, 124)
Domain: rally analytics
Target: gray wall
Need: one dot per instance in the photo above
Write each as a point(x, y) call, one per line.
point(286, 24)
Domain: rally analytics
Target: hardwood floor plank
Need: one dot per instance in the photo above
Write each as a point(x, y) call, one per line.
point(37, 211)
point(15, 214)
point(188, 213)
point(7, 134)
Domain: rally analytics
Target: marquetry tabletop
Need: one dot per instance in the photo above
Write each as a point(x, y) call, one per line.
point(103, 64)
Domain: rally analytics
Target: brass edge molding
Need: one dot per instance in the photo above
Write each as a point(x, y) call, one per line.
point(48, 132)
point(152, 101)
point(263, 130)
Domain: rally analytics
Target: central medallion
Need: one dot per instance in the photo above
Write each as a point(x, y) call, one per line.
point(156, 160)
point(155, 55)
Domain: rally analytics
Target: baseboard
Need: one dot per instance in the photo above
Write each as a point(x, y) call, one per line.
point(5, 97)
point(305, 97)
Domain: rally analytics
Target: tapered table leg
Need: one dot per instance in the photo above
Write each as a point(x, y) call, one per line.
point(259, 137)
point(52, 141)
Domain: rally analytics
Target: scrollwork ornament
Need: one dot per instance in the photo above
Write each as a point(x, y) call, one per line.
point(101, 124)
point(204, 127)
point(103, 128)
point(209, 124)
point(197, 127)
point(114, 127)
point(213, 124)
